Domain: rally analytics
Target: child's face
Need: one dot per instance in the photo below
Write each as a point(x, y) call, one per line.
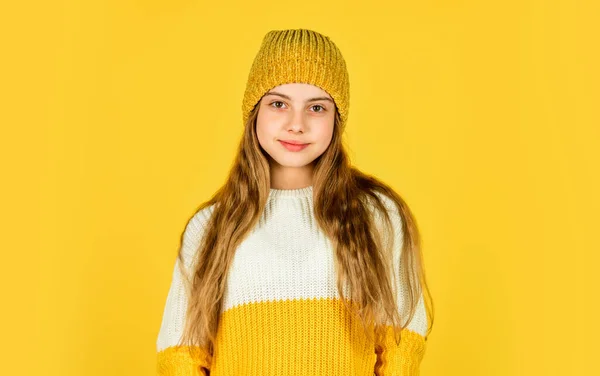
point(299, 117)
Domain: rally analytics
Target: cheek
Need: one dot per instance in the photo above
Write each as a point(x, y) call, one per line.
point(325, 132)
point(265, 130)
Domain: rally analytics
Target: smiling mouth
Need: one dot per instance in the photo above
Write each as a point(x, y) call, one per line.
point(293, 147)
point(293, 142)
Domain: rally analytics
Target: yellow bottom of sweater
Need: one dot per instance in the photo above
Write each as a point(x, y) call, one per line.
point(305, 337)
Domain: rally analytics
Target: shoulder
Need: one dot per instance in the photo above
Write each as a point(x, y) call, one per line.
point(197, 222)
point(388, 202)
point(389, 205)
point(194, 231)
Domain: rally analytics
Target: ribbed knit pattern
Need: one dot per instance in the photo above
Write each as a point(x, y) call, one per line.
point(298, 56)
point(282, 314)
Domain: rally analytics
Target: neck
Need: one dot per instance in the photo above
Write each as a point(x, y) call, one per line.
point(284, 177)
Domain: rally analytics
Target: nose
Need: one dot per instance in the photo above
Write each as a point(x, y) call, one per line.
point(297, 123)
point(296, 128)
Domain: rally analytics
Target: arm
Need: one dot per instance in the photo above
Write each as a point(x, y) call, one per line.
point(403, 359)
point(174, 359)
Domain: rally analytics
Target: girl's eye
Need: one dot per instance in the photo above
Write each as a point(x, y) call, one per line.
point(278, 103)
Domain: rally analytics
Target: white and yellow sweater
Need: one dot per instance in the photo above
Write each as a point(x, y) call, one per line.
point(282, 315)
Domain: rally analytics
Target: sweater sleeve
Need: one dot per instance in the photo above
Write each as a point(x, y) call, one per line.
point(402, 359)
point(174, 359)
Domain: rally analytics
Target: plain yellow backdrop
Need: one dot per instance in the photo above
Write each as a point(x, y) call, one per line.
point(120, 117)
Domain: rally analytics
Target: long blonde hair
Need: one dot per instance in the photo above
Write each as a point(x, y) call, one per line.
point(347, 220)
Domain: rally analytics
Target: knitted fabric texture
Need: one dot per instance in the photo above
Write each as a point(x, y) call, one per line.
point(298, 56)
point(281, 312)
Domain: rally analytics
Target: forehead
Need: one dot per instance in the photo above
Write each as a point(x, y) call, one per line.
point(300, 90)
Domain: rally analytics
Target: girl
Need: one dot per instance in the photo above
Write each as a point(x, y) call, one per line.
point(300, 264)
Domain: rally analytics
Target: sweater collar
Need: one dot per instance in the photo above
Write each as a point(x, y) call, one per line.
point(298, 192)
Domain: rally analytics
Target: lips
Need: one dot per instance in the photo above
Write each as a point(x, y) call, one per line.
point(289, 145)
point(293, 142)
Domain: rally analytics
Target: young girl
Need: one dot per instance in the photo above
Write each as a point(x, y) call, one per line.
point(300, 264)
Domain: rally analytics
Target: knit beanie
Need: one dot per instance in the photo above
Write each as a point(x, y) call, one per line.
point(298, 56)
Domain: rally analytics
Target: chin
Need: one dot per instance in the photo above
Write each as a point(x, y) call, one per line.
point(294, 162)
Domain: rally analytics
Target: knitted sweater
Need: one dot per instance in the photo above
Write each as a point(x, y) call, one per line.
point(282, 315)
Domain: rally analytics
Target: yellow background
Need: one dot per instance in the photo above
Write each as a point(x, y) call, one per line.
point(119, 117)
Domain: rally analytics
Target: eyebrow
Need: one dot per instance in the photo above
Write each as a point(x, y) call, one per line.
point(308, 100)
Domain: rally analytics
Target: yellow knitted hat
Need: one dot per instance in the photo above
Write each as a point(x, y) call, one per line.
point(298, 56)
